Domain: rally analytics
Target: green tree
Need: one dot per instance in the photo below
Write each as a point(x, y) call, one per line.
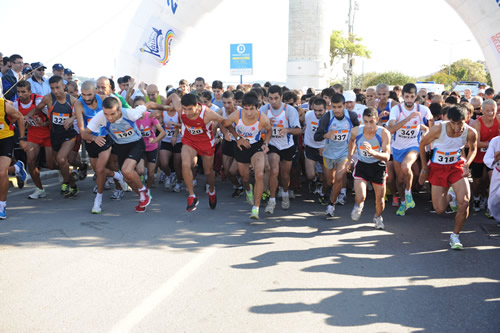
point(466, 70)
point(391, 78)
point(341, 46)
point(442, 78)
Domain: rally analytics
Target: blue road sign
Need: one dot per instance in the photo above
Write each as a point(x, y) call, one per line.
point(241, 61)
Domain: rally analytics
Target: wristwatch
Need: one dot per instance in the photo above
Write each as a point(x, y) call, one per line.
point(24, 138)
point(239, 137)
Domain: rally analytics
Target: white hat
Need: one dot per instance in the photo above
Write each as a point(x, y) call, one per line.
point(481, 91)
point(349, 96)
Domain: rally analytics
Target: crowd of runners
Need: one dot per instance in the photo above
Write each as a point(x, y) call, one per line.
point(264, 139)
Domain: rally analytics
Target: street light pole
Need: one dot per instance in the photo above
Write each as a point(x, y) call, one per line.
point(451, 44)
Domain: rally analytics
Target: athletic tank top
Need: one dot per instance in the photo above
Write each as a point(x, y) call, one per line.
point(311, 125)
point(89, 113)
point(58, 113)
point(158, 99)
point(226, 115)
point(34, 129)
point(251, 132)
point(385, 119)
point(446, 150)
point(278, 122)
point(123, 130)
point(375, 142)
point(170, 130)
point(337, 147)
point(196, 130)
point(6, 128)
point(486, 134)
point(409, 134)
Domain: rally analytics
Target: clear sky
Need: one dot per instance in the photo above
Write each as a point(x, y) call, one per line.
point(87, 35)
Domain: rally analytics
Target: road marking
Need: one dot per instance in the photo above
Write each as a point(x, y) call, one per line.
point(135, 316)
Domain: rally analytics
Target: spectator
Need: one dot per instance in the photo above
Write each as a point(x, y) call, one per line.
point(10, 79)
point(39, 84)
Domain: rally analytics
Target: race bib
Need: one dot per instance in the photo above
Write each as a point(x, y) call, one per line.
point(195, 130)
point(170, 131)
point(59, 118)
point(441, 157)
point(124, 134)
point(146, 133)
point(314, 126)
point(364, 153)
point(408, 132)
point(340, 135)
point(276, 130)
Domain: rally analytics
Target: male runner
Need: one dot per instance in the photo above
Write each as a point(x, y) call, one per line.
point(406, 122)
point(229, 144)
point(447, 167)
point(247, 125)
point(372, 146)
point(62, 132)
point(487, 127)
point(8, 116)
point(121, 127)
point(86, 108)
point(38, 134)
point(336, 126)
point(285, 123)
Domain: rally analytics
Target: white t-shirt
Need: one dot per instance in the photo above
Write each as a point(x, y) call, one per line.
point(311, 124)
point(136, 93)
point(409, 134)
point(359, 108)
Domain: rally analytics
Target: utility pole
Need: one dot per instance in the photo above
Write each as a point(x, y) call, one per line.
point(350, 28)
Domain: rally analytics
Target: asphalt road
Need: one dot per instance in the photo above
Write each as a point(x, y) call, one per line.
point(63, 269)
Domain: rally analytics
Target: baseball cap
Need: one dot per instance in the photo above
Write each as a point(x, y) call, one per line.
point(27, 70)
point(349, 96)
point(36, 65)
point(57, 67)
point(68, 71)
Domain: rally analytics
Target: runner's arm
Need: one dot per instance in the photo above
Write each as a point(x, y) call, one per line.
point(385, 154)
point(351, 148)
point(432, 135)
point(40, 106)
point(78, 111)
point(472, 138)
point(162, 133)
point(322, 129)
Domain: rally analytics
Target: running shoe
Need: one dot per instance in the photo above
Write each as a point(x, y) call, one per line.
point(168, 183)
point(455, 242)
point(453, 201)
point(318, 189)
point(21, 175)
point(212, 200)
point(395, 201)
point(192, 203)
point(149, 194)
point(207, 188)
point(72, 192)
point(379, 222)
point(195, 182)
point(323, 200)
point(3, 215)
point(177, 188)
point(340, 199)
point(162, 177)
point(144, 198)
point(139, 209)
point(117, 194)
point(37, 194)
point(255, 214)
point(270, 207)
point(82, 172)
point(95, 189)
point(330, 211)
point(249, 195)
point(97, 208)
point(409, 201)
point(108, 183)
point(64, 188)
point(291, 194)
point(488, 215)
point(482, 203)
point(356, 212)
point(401, 210)
point(477, 205)
point(285, 202)
point(74, 175)
point(280, 192)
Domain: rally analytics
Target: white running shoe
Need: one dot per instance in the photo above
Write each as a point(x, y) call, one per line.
point(340, 199)
point(356, 212)
point(117, 195)
point(379, 222)
point(109, 182)
point(195, 182)
point(455, 242)
point(330, 211)
point(177, 188)
point(37, 194)
point(97, 208)
point(280, 192)
point(270, 207)
point(291, 194)
point(285, 202)
point(168, 183)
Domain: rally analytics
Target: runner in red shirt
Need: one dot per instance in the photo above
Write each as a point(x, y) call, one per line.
point(198, 139)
